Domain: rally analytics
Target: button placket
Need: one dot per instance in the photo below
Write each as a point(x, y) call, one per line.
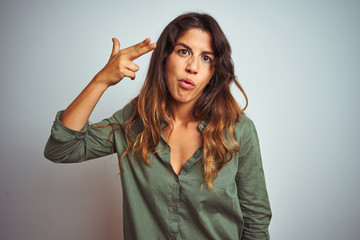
point(173, 208)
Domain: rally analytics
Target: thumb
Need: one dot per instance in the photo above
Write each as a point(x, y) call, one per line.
point(116, 47)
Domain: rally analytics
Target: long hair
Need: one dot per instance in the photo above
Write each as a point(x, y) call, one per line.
point(216, 106)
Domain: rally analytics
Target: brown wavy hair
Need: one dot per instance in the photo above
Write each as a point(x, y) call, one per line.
point(217, 107)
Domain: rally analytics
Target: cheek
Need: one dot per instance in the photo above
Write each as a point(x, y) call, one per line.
point(209, 71)
point(169, 68)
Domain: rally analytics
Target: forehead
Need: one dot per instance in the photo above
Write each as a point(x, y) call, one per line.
point(197, 39)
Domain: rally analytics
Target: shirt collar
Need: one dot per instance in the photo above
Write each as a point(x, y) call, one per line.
point(202, 125)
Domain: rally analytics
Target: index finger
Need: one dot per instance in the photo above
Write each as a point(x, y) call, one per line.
point(140, 49)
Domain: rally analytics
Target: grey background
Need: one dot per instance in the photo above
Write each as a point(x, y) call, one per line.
point(297, 60)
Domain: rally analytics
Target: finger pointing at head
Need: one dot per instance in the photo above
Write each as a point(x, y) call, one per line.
point(140, 49)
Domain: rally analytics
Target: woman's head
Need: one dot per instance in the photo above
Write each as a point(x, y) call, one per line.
point(222, 64)
point(189, 67)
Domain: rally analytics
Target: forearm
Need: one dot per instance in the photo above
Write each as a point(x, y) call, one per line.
point(67, 146)
point(77, 114)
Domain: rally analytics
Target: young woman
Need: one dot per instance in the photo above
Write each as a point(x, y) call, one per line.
point(189, 158)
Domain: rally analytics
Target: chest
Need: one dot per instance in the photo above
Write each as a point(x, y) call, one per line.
point(183, 144)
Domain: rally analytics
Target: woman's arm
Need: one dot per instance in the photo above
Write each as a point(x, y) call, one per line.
point(93, 141)
point(72, 139)
point(252, 193)
point(120, 65)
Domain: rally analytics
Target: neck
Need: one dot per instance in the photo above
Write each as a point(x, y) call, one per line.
point(182, 113)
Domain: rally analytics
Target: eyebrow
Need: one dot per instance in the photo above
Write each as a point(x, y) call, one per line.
point(189, 48)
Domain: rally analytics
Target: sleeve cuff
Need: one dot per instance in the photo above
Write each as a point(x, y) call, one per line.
point(61, 133)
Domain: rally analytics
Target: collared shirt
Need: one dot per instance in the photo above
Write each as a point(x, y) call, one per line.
point(158, 203)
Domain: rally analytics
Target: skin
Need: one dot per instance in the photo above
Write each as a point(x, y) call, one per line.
point(191, 59)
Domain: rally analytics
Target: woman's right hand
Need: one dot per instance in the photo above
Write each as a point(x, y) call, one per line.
point(121, 64)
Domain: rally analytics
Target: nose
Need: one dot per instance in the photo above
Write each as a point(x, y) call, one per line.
point(192, 66)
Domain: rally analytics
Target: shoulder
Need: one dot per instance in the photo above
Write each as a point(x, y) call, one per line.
point(244, 130)
point(125, 113)
point(244, 125)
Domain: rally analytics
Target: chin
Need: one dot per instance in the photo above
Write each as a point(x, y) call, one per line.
point(179, 99)
point(185, 100)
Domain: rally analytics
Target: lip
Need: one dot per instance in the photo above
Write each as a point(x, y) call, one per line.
point(186, 83)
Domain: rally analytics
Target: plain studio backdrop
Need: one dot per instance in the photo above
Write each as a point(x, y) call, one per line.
point(299, 62)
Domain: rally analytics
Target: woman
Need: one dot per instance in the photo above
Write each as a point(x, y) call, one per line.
point(190, 159)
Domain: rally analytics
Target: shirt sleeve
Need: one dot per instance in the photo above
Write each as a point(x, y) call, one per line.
point(252, 193)
point(70, 146)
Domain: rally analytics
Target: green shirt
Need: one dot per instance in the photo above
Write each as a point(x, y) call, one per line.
point(159, 204)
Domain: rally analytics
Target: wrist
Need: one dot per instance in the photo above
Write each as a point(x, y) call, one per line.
point(99, 83)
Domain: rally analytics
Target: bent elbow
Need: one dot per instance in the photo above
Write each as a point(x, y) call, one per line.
point(63, 152)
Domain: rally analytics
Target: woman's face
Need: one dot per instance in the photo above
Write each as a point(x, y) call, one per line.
point(189, 66)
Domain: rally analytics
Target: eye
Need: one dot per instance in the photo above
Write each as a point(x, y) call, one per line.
point(206, 58)
point(183, 52)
